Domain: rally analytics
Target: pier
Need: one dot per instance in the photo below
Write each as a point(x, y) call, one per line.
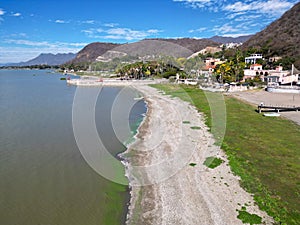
point(271, 108)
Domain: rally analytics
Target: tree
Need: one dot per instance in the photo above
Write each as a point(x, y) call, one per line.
point(224, 70)
point(232, 70)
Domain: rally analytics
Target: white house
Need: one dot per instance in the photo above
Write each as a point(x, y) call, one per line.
point(255, 70)
point(272, 77)
point(283, 77)
point(252, 58)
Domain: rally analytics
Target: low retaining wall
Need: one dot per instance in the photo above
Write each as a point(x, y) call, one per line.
point(283, 90)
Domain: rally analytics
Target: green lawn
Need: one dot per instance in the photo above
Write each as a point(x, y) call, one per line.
point(263, 151)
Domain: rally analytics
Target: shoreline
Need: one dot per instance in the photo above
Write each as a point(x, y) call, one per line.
point(125, 160)
point(164, 188)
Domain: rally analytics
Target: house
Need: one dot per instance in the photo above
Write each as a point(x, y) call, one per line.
point(279, 77)
point(254, 71)
point(253, 58)
point(274, 59)
point(272, 77)
point(211, 63)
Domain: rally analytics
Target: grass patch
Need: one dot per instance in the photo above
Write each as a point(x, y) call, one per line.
point(196, 128)
point(212, 162)
point(186, 122)
point(246, 217)
point(192, 164)
point(264, 152)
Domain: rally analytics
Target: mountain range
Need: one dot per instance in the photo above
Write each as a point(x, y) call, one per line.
point(225, 40)
point(47, 59)
point(180, 47)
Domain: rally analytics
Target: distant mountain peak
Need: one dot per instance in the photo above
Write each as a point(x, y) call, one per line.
point(226, 40)
point(47, 59)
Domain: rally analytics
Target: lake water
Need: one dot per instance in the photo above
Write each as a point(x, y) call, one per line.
point(44, 179)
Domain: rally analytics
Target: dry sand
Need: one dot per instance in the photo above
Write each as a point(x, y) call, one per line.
point(165, 189)
point(278, 99)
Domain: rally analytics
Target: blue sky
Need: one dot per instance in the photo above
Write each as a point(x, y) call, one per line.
point(31, 27)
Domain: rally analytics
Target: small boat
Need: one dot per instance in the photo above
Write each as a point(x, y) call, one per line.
point(271, 114)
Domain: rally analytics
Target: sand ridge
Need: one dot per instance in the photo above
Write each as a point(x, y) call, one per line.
point(165, 189)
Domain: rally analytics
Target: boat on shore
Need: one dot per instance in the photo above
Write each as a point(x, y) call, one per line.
point(272, 114)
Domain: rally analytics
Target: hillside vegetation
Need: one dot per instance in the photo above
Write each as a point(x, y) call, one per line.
point(90, 52)
point(280, 38)
point(183, 47)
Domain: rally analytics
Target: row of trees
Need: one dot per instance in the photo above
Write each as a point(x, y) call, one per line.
point(139, 70)
point(164, 66)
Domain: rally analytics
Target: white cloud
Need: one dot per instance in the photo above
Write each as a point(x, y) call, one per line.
point(153, 31)
point(274, 8)
point(195, 3)
point(236, 35)
point(129, 34)
point(27, 42)
point(88, 32)
point(201, 29)
point(247, 18)
point(2, 12)
point(126, 34)
point(18, 35)
point(191, 1)
point(240, 15)
point(224, 29)
point(93, 32)
point(233, 15)
point(16, 14)
point(261, 6)
point(88, 21)
point(120, 33)
point(79, 44)
point(111, 24)
point(61, 21)
point(42, 43)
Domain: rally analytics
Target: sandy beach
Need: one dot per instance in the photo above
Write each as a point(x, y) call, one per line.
point(165, 189)
point(278, 99)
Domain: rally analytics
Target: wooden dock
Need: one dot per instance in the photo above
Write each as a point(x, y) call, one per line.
point(272, 108)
